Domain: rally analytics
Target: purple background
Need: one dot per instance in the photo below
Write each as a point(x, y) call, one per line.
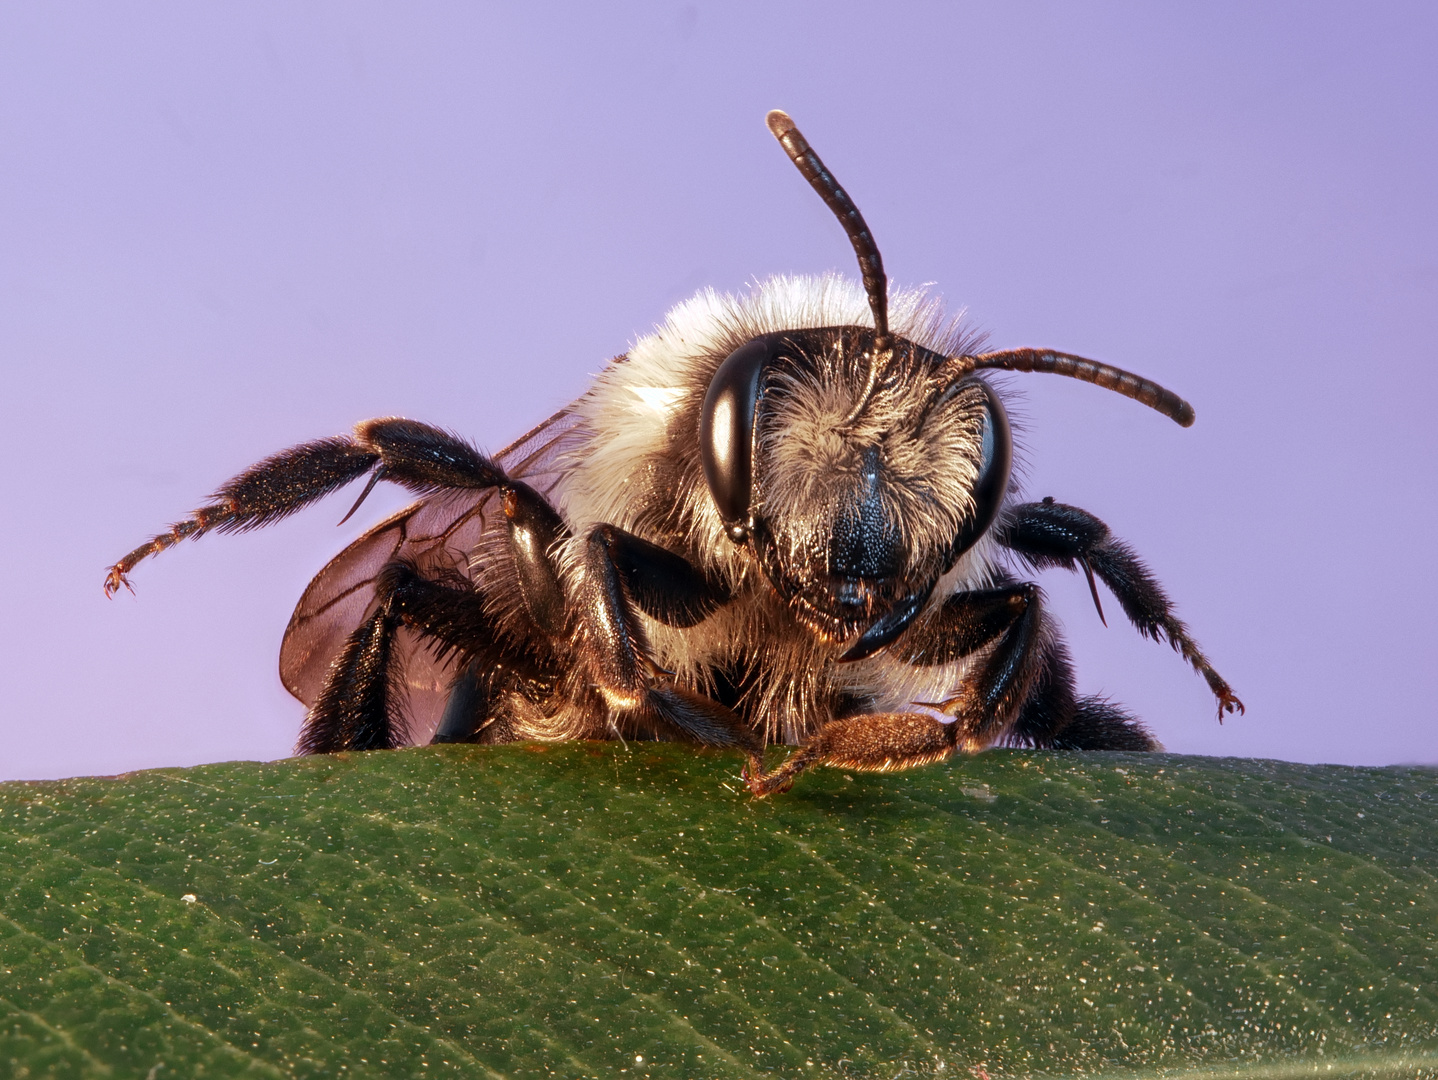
point(225, 229)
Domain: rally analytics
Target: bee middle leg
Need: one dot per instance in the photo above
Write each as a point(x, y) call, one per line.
point(623, 575)
point(1054, 718)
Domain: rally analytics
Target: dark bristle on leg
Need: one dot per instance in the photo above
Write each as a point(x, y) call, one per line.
point(357, 709)
point(360, 707)
point(291, 480)
point(1054, 719)
point(1051, 703)
point(450, 614)
point(1101, 725)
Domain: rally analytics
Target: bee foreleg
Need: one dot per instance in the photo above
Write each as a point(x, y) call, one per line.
point(1009, 623)
point(1028, 671)
point(622, 573)
point(1051, 533)
point(964, 624)
point(665, 586)
point(1021, 693)
point(875, 742)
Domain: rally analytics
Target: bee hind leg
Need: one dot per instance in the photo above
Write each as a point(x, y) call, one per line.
point(361, 704)
point(1051, 533)
point(263, 493)
point(415, 455)
point(358, 707)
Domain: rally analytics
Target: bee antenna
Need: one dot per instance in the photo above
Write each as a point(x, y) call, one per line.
point(1106, 375)
point(871, 263)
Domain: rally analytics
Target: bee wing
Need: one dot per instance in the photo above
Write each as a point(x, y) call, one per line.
point(437, 533)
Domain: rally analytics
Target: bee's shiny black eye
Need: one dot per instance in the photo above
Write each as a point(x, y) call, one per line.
point(726, 432)
point(996, 461)
point(726, 424)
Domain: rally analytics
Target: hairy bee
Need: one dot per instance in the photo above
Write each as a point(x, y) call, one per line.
point(781, 518)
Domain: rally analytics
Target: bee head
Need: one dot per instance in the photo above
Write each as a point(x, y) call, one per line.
point(860, 465)
point(856, 497)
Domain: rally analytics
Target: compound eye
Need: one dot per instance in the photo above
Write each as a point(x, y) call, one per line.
point(726, 432)
point(995, 462)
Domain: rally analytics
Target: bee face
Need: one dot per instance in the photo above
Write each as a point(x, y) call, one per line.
point(864, 495)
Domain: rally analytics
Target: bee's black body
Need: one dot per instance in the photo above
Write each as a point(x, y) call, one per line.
point(767, 523)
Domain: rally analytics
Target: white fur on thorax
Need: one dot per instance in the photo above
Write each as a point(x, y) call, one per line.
point(627, 412)
point(628, 417)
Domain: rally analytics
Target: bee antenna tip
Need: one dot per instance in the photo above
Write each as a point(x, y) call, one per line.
point(779, 123)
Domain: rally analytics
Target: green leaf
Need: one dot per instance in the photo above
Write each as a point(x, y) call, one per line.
point(586, 909)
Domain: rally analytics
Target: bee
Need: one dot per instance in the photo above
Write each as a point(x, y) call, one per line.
point(782, 518)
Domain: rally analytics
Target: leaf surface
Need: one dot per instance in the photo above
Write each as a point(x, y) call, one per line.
point(594, 910)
